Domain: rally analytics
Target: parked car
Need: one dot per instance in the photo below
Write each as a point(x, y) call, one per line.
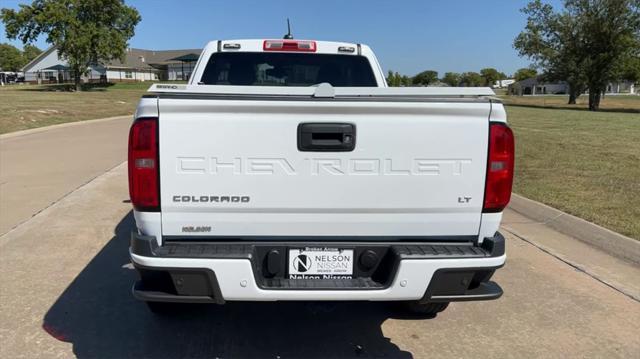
point(8, 77)
point(287, 170)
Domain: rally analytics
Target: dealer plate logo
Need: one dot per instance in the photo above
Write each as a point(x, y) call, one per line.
point(302, 262)
point(320, 263)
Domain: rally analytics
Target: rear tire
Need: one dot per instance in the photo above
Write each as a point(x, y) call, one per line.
point(425, 309)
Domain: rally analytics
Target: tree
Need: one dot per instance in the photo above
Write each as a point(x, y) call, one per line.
point(612, 40)
point(405, 81)
point(10, 58)
point(491, 76)
point(425, 78)
point(525, 73)
point(471, 79)
point(390, 78)
point(552, 41)
point(30, 52)
point(588, 44)
point(394, 79)
point(631, 70)
point(451, 79)
point(85, 32)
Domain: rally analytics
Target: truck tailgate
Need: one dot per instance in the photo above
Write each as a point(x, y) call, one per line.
point(232, 168)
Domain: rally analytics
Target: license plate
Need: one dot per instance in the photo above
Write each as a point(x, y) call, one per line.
point(320, 263)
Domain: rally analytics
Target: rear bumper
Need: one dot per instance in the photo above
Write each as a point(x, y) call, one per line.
point(219, 272)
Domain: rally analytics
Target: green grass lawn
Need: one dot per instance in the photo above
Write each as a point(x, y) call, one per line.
point(30, 106)
point(615, 103)
point(584, 163)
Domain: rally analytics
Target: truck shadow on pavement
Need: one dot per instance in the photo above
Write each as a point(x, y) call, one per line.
point(99, 316)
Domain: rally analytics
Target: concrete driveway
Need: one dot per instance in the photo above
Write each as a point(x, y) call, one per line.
point(66, 283)
point(40, 167)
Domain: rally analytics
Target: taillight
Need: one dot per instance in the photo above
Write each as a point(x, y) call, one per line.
point(289, 45)
point(144, 186)
point(500, 163)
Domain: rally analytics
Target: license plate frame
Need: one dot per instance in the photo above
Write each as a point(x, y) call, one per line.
point(320, 263)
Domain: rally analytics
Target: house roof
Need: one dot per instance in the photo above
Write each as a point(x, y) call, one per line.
point(58, 67)
point(528, 82)
point(41, 56)
point(186, 58)
point(536, 80)
point(145, 59)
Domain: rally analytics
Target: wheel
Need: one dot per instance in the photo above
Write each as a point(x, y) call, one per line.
point(164, 308)
point(425, 309)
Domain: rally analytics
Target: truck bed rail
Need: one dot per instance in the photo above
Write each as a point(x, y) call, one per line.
point(324, 91)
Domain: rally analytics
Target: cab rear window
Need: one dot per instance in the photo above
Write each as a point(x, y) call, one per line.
point(287, 69)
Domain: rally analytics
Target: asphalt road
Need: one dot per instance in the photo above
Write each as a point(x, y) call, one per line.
point(65, 290)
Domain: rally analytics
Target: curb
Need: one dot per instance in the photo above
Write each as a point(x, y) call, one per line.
point(609, 241)
point(60, 125)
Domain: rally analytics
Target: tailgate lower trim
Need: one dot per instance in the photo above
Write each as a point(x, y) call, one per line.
point(408, 248)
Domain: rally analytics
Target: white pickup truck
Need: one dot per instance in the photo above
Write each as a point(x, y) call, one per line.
point(287, 170)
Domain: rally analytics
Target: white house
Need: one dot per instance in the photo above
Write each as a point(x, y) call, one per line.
point(138, 65)
point(537, 86)
point(622, 87)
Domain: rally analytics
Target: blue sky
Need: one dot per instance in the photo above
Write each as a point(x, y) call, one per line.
point(408, 36)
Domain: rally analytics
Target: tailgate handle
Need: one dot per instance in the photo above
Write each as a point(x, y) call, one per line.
point(326, 137)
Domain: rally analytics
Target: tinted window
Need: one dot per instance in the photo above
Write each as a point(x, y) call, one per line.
point(287, 69)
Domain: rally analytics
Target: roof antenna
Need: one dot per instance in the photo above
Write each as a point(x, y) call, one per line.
point(288, 36)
